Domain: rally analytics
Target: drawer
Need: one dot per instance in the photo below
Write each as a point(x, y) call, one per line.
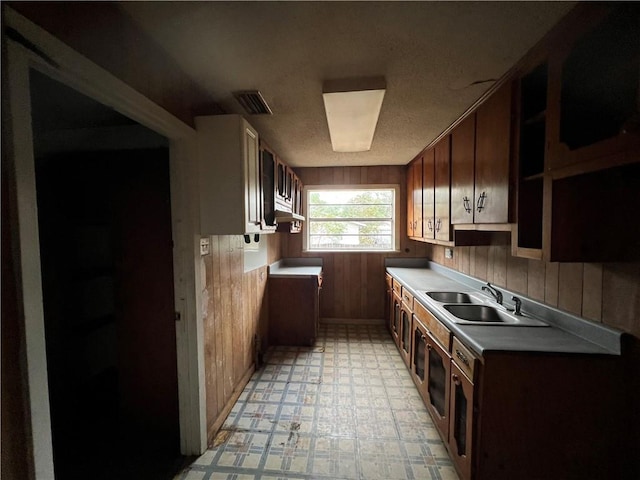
point(463, 357)
point(407, 298)
point(397, 287)
point(437, 329)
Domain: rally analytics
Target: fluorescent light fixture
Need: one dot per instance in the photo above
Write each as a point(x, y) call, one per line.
point(352, 107)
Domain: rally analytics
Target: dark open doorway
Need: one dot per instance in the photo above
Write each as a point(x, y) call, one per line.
point(106, 250)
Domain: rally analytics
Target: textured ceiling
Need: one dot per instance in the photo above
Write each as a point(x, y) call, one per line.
point(429, 52)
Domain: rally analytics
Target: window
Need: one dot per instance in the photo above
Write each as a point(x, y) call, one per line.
point(351, 218)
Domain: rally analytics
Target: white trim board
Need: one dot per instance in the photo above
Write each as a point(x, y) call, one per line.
point(83, 75)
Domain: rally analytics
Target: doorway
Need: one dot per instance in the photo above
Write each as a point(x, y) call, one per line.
point(104, 218)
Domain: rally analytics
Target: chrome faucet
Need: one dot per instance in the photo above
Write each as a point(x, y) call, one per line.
point(517, 305)
point(494, 292)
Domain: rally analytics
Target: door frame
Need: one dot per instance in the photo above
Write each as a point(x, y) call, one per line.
point(58, 61)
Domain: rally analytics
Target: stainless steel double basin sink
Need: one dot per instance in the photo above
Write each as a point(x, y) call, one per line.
point(476, 309)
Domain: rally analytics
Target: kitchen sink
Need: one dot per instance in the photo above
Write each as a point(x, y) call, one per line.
point(487, 315)
point(450, 297)
point(475, 313)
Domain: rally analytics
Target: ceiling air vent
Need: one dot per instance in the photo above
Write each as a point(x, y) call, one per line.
point(252, 102)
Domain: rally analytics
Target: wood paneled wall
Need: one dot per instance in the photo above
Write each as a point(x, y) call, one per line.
point(602, 292)
point(353, 283)
point(234, 309)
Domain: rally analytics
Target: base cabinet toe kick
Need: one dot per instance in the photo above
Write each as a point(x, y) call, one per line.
point(512, 414)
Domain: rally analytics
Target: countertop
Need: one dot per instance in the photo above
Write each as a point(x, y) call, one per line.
point(296, 268)
point(502, 338)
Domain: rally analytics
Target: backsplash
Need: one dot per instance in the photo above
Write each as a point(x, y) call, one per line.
point(601, 292)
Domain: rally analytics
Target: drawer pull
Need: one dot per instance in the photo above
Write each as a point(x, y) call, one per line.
point(429, 347)
point(463, 358)
point(456, 379)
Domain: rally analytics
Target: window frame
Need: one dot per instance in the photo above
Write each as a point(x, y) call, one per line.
point(395, 218)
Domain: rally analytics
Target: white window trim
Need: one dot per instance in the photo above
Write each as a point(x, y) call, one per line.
point(375, 186)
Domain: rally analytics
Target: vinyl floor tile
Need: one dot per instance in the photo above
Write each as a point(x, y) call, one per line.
point(343, 409)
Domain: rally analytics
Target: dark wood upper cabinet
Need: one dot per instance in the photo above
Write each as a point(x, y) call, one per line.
point(493, 140)
point(593, 108)
point(411, 224)
point(463, 142)
point(442, 189)
point(531, 148)
point(428, 197)
point(480, 158)
point(599, 84)
point(414, 199)
point(417, 197)
point(569, 108)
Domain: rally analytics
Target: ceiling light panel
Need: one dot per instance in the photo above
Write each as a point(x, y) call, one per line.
point(352, 107)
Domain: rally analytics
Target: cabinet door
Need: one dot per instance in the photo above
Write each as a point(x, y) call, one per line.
point(419, 357)
point(289, 184)
point(396, 321)
point(417, 198)
point(388, 302)
point(461, 421)
point(438, 364)
point(428, 196)
point(268, 173)
point(442, 190)
point(493, 136)
point(405, 334)
point(598, 94)
point(463, 142)
point(410, 182)
point(253, 207)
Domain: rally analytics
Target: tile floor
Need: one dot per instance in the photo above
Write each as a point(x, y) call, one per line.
point(343, 409)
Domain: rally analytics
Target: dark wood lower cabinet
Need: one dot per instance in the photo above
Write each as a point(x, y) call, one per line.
point(461, 416)
point(396, 318)
point(430, 367)
point(388, 301)
point(405, 334)
point(437, 386)
point(517, 415)
point(294, 310)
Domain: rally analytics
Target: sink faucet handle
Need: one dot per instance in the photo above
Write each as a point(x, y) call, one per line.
point(518, 305)
point(494, 292)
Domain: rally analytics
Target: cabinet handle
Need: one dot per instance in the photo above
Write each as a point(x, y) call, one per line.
point(456, 379)
point(463, 358)
point(423, 338)
point(430, 225)
point(467, 204)
point(429, 347)
point(481, 200)
point(438, 224)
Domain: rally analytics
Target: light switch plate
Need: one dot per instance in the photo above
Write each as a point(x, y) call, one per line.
point(204, 246)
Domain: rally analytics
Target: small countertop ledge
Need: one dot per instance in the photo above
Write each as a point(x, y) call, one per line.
point(296, 268)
